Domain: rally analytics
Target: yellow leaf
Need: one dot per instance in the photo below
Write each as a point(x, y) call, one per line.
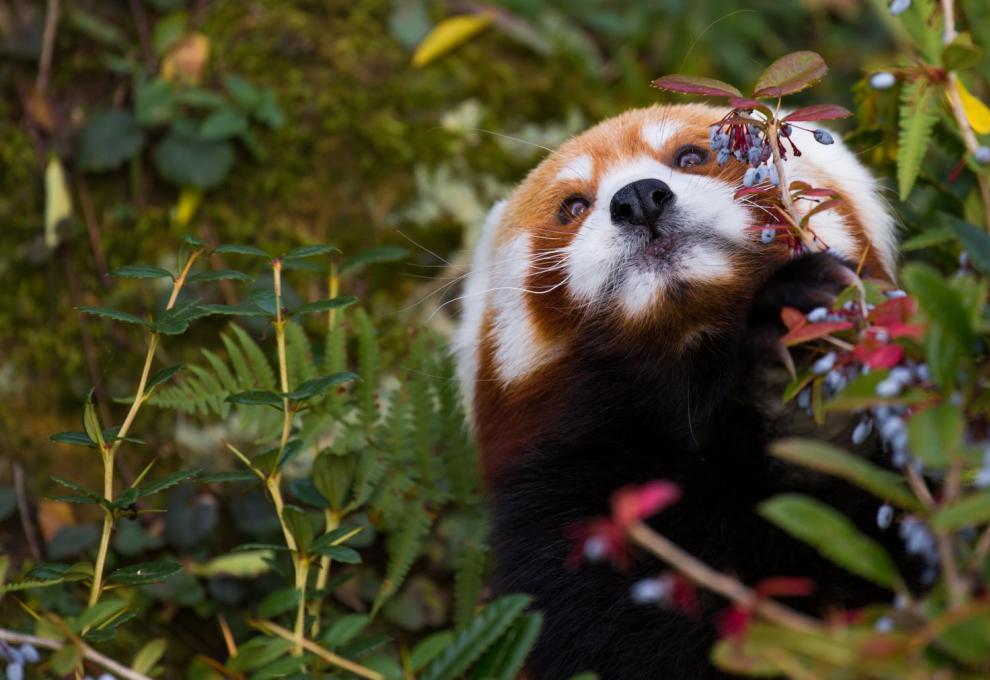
point(186, 60)
point(189, 201)
point(448, 34)
point(58, 201)
point(245, 564)
point(976, 111)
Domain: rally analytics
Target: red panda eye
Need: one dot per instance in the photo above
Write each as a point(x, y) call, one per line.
point(690, 156)
point(572, 207)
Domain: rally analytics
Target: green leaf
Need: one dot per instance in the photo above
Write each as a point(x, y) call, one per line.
point(98, 613)
point(961, 54)
point(76, 487)
point(309, 251)
point(332, 475)
point(918, 115)
point(505, 659)
point(187, 159)
point(345, 629)
point(950, 335)
point(141, 271)
point(114, 314)
point(198, 98)
point(278, 602)
point(969, 511)
point(237, 249)
point(260, 546)
point(227, 477)
point(73, 439)
point(126, 499)
point(91, 422)
point(936, 434)
point(470, 642)
point(244, 93)
point(243, 564)
point(427, 649)
point(299, 524)
point(339, 553)
point(929, 238)
point(257, 398)
point(791, 73)
point(707, 87)
point(155, 102)
point(318, 386)
point(219, 275)
point(162, 376)
point(258, 652)
point(264, 299)
point(974, 240)
point(406, 546)
point(267, 110)
point(229, 310)
point(292, 449)
point(146, 572)
point(833, 535)
point(146, 657)
point(223, 124)
point(824, 457)
point(324, 305)
point(378, 255)
point(108, 140)
point(167, 482)
point(65, 660)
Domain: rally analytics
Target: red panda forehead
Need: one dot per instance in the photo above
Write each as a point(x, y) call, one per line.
point(577, 167)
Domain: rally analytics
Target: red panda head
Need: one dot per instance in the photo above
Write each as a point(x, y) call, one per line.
point(633, 225)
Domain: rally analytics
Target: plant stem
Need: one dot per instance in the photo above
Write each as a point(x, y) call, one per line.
point(118, 669)
point(302, 563)
point(332, 519)
point(109, 453)
point(726, 586)
point(773, 138)
point(955, 583)
point(959, 111)
point(283, 366)
point(273, 483)
point(325, 654)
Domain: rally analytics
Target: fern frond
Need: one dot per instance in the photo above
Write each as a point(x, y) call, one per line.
point(918, 116)
point(369, 369)
point(298, 354)
point(261, 372)
point(470, 561)
point(403, 549)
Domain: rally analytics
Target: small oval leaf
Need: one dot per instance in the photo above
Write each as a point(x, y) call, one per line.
point(791, 73)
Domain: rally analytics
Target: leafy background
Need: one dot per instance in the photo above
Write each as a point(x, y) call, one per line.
point(287, 122)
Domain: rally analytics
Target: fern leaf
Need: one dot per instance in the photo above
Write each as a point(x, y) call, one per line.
point(425, 419)
point(298, 354)
point(371, 468)
point(369, 368)
point(223, 372)
point(260, 367)
point(919, 113)
point(469, 578)
point(505, 659)
point(242, 373)
point(404, 547)
point(473, 640)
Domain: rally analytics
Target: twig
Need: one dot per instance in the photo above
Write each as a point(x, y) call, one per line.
point(726, 586)
point(980, 552)
point(47, 45)
point(88, 653)
point(919, 487)
point(20, 490)
point(325, 654)
point(144, 33)
point(93, 229)
point(954, 582)
point(959, 111)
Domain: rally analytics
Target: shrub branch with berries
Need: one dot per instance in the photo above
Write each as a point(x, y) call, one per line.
point(908, 366)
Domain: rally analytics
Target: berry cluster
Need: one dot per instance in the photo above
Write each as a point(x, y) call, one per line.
point(17, 658)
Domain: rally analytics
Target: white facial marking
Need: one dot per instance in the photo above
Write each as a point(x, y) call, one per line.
point(640, 291)
point(580, 169)
point(657, 134)
point(701, 264)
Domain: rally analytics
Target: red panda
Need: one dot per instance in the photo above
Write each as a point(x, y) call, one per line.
point(619, 320)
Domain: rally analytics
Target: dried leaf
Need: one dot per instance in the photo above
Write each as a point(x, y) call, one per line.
point(448, 35)
point(186, 60)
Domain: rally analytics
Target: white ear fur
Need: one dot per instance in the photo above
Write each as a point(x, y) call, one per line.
point(474, 300)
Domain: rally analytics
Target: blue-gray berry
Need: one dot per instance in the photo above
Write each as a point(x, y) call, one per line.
point(885, 515)
point(768, 235)
point(823, 136)
point(723, 156)
point(862, 431)
point(899, 6)
point(824, 364)
point(749, 178)
point(982, 155)
point(888, 388)
point(29, 653)
point(754, 156)
point(817, 315)
point(649, 591)
point(774, 177)
point(883, 80)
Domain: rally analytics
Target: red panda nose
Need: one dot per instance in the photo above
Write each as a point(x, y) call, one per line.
point(641, 203)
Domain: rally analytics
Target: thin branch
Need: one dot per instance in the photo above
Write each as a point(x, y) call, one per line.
point(93, 230)
point(47, 45)
point(325, 654)
point(20, 490)
point(954, 581)
point(959, 111)
point(717, 582)
point(144, 33)
point(118, 669)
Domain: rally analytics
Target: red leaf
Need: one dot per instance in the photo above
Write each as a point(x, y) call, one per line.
point(892, 311)
point(743, 103)
point(792, 318)
point(733, 622)
point(609, 539)
point(813, 331)
point(784, 586)
point(752, 191)
point(696, 85)
point(683, 596)
point(791, 73)
point(631, 504)
point(818, 112)
point(875, 354)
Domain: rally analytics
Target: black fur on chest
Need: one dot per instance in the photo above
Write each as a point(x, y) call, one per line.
point(635, 416)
